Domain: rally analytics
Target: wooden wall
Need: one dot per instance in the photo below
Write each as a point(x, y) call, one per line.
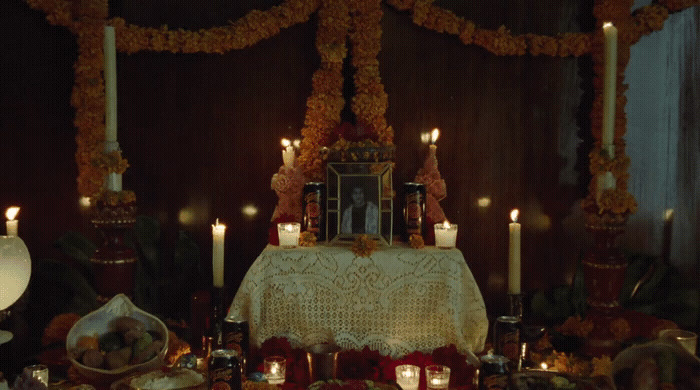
point(202, 132)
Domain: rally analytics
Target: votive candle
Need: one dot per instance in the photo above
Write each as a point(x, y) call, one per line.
point(289, 233)
point(445, 235)
point(408, 376)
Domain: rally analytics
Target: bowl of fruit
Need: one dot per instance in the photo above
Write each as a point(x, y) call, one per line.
point(116, 340)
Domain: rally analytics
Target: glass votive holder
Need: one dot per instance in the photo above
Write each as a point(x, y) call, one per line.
point(275, 369)
point(445, 235)
point(39, 372)
point(289, 234)
point(685, 338)
point(437, 377)
point(408, 376)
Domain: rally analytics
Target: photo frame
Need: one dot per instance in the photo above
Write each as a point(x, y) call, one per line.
point(359, 200)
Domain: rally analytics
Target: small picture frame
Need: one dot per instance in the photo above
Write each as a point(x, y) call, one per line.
point(359, 200)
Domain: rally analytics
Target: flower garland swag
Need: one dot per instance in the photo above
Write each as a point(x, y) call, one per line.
point(365, 364)
point(86, 18)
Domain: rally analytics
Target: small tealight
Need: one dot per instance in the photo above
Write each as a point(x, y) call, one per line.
point(408, 376)
point(289, 234)
point(445, 235)
point(275, 369)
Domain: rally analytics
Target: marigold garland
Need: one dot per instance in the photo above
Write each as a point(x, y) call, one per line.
point(360, 20)
point(364, 246)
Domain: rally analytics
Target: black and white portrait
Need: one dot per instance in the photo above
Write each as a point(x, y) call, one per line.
point(359, 205)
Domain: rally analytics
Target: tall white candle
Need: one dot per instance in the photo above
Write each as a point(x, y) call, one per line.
point(110, 75)
point(114, 180)
point(218, 232)
point(609, 88)
point(514, 254)
point(12, 223)
point(288, 154)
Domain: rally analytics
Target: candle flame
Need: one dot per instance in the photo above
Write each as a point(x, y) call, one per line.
point(514, 215)
point(446, 224)
point(289, 227)
point(483, 202)
point(218, 227)
point(607, 24)
point(296, 143)
point(11, 212)
point(544, 366)
point(668, 214)
point(285, 142)
point(434, 135)
point(425, 137)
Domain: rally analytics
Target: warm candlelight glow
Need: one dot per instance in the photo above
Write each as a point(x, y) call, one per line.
point(289, 228)
point(514, 215)
point(483, 202)
point(218, 227)
point(434, 135)
point(668, 214)
point(11, 212)
point(297, 143)
point(446, 224)
point(544, 365)
point(218, 231)
point(249, 210)
point(285, 142)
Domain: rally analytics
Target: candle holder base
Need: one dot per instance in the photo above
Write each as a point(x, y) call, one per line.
point(516, 308)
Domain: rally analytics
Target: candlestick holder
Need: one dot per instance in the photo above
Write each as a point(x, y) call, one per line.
point(114, 263)
point(516, 308)
point(218, 312)
point(604, 269)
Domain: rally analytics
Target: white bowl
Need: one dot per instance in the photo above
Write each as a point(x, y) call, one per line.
point(100, 322)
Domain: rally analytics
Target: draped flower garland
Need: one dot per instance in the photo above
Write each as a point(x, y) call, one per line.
point(358, 20)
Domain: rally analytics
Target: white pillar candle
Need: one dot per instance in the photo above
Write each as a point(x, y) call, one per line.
point(445, 235)
point(514, 254)
point(12, 223)
point(114, 180)
point(110, 75)
point(288, 154)
point(609, 88)
point(289, 233)
point(218, 232)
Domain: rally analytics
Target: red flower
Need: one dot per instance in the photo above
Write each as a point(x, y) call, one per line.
point(363, 364)
point(461, 372)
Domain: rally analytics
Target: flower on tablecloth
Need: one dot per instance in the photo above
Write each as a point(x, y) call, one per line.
point(461, 372)
point(57, 329)
point(620, 328)
point(602, 366)
point(364, 246)
point(575, 326)
point(363, 364)
point(307, 239)
point(416, 241)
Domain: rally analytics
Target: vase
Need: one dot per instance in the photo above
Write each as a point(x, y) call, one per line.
point(604, 269)
point(114, 263)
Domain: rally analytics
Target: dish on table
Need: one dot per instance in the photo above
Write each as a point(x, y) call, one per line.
point(92, 328)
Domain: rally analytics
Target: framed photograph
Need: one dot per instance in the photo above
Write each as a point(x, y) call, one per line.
point(359, 201)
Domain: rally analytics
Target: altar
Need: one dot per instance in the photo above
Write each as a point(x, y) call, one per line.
point(396, 301)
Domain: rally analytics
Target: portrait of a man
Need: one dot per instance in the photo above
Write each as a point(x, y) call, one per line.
point(360, 211)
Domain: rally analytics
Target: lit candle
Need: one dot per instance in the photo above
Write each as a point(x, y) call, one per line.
point(218, 232)
point(408, 376)
point(12, 223)
point(289, 234)
point(288, 154)
point(437, 377)
point(275, 369)
point(514, 254)
point(114, 180)
point(445, 235)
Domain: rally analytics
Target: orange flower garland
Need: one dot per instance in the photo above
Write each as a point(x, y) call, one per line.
point(361, 20)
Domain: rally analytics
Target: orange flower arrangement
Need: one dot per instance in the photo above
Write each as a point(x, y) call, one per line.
point(416, 241)
point(307, 239)
point(338, 19)
point(364, 246)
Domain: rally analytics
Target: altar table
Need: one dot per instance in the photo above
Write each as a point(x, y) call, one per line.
point(397, 301)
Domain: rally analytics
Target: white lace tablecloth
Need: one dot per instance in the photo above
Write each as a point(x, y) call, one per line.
point(397, 301)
